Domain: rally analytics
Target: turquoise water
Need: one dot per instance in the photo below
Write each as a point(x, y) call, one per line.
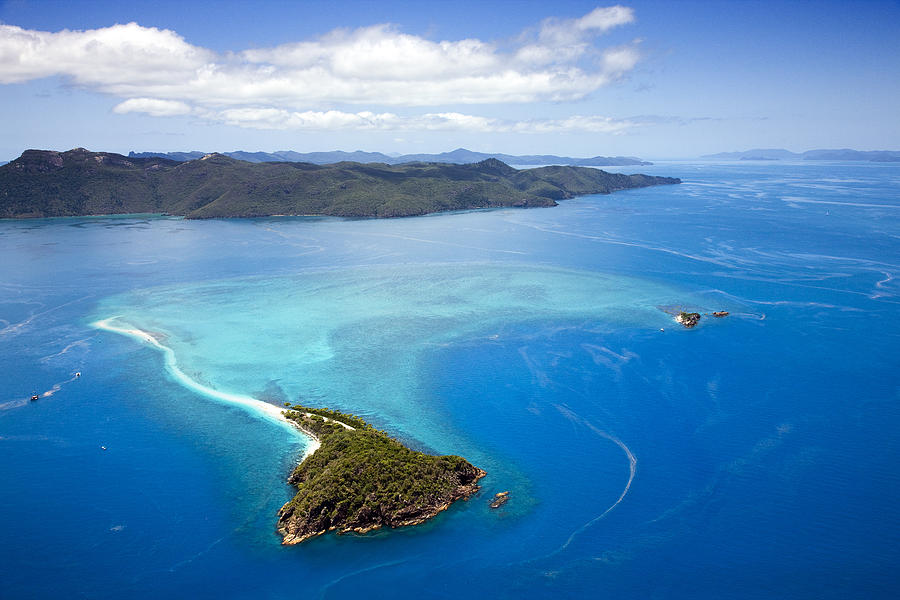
point(752, 456)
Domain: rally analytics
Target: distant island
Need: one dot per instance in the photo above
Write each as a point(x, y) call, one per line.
point(782, 154)
point(460, 156)
point(359, 479)
point(44, 183)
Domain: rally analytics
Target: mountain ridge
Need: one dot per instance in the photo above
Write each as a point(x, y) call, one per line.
point(458, 156)
point(78, 182)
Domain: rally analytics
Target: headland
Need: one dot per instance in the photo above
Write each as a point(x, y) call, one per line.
point(360, 479)
point(43, 183)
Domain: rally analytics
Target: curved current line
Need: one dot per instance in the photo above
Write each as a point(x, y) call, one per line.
point(13, 328)
point(325, 588)
point(632, 471)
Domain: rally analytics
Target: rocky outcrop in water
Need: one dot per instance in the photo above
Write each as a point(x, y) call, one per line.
point(688, 319)
point(499, 499)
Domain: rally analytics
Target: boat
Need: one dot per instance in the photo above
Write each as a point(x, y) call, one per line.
point(34, 397)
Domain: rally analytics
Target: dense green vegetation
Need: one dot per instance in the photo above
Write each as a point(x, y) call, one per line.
point(296, 411)
point(361, 479)
point(78, 182)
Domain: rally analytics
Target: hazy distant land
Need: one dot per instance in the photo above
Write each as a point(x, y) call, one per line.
point(782, 154)
point(460, 156)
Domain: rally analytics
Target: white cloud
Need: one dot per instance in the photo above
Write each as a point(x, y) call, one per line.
point(566, 40)
point(117, 57)
point(157, 72)
point(152, 106)
point(274, 118)
point(279, 119)
point(590, 124)
point(604, 19)
point(382, 53)
point(620, 60)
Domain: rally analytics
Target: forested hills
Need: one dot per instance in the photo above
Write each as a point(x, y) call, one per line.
point(43, 183)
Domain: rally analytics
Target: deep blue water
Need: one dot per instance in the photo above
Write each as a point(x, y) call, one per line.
point(754, 456)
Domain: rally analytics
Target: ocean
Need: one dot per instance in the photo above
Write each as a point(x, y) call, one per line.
point(753, 456)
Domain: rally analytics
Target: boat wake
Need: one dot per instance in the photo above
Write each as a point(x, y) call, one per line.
point(58, 386)
point(19, 402)
point(325, 589)
point(632, 471)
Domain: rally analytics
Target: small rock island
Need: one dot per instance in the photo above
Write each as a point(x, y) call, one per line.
point(360, 479)
point(688, 319)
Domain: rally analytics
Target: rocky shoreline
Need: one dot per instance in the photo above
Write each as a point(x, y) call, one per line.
point(359, 479)
point(688, 319)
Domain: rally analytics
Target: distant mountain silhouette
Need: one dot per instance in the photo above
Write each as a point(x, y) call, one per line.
point(459, 156)
point(781, 154)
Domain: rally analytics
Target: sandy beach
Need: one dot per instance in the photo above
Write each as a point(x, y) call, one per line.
point(256, 407)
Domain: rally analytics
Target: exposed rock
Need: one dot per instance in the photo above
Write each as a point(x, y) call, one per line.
point(499, 499)
point(687, 319)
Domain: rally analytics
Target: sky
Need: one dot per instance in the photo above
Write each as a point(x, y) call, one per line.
point(654, 79)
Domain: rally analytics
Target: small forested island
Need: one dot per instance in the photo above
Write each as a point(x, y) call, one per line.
point(43, 183)
point(688, 319)
point(360, 479)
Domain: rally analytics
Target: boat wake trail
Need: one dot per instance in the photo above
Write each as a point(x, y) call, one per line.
point(58, 386)
point(19, 402)
point(632, 471)
point(327, 587)
point(881, 286)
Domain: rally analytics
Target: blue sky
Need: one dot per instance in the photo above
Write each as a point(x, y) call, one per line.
point(651, 79)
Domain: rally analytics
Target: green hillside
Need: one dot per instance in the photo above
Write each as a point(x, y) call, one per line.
point(359, 479)
point(43, 183)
